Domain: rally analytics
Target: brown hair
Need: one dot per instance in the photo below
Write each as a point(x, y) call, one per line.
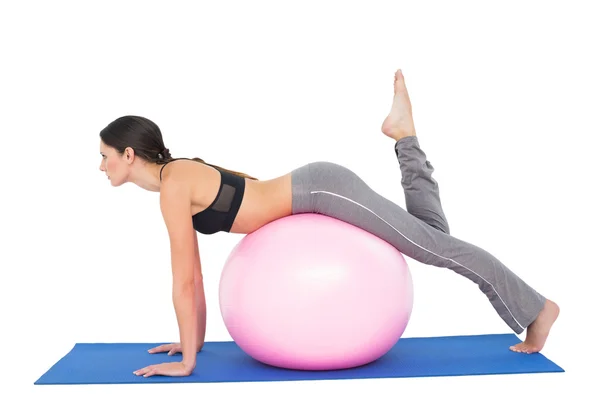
point(145, 138)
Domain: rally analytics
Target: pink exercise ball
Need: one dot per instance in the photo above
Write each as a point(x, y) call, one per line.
point(311, 292)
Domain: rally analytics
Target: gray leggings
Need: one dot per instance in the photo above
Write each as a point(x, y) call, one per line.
point(420, 232)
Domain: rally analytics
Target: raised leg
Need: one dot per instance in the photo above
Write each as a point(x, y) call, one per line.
point(421, 190)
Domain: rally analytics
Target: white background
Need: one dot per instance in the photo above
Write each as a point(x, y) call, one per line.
point(505, 102)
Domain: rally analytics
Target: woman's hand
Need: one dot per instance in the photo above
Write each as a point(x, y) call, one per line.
point(167, 369)
point(172, 348)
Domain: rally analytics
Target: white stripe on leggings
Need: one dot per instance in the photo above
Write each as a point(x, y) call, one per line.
point(456, 262)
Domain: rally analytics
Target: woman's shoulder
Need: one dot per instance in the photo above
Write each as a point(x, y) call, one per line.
point(184, 170)
point(189, 178)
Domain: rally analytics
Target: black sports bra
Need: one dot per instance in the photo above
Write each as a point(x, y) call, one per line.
point(221, 213)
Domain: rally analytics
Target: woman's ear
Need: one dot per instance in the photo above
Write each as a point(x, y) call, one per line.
point(129, 154)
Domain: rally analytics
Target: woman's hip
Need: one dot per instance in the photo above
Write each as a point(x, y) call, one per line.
point(311, 181)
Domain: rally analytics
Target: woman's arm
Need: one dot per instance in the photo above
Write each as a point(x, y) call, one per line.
point(175, 203)
point(200, 297)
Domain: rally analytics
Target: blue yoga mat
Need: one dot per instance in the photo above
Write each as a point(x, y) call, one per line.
point(109, 363)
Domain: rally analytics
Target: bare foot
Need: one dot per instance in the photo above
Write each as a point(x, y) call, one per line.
point(399, 123)
point(538, 331)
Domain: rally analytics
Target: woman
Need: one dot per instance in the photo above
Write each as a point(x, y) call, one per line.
point(196, 196)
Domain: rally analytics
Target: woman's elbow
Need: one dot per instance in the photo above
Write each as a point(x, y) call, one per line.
point(184, 288)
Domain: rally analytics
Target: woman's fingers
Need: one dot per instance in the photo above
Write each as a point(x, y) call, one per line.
point(151, 371)
point(171, 348)
point(147, 371)
point(161, 348)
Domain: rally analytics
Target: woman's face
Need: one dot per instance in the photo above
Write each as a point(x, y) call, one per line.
point(113, 165)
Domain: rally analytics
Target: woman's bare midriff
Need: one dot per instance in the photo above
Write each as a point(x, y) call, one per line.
point(264, 200)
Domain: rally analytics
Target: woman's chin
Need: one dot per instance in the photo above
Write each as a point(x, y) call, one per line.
point(116, 183)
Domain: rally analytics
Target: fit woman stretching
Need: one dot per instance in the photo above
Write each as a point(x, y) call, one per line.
point(196, 196)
